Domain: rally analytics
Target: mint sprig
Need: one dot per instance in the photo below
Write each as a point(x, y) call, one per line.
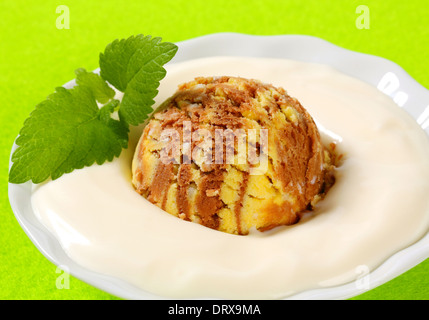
point(100, 89)
point(135, 67)
point(74, 128)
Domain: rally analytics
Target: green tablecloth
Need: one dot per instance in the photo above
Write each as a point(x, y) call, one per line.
point(36, 56)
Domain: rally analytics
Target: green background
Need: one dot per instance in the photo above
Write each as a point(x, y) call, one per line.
point(35, 57)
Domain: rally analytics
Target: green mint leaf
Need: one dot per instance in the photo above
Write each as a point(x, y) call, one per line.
point(69, 130)
point(135, 67)
point(118, 126)
point(65, 132)
point(100, 89)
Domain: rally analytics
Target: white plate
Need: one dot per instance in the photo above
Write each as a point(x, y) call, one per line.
point(379, 72)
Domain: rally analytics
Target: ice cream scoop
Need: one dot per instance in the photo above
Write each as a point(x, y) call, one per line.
point(232, 154)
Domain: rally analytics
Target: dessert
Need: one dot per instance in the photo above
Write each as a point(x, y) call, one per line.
point(192, 162)
point(228, 153)
point(104, 225)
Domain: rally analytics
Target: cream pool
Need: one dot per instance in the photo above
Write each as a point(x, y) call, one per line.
point(377, 206)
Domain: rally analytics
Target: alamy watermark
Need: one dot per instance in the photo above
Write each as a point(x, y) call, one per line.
point(363, 280)
point(63, 20)
point(389, 84)
point(363, 20)
point(63, 280)
point(224, 146)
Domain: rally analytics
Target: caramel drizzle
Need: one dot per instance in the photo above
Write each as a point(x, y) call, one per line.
point(183, 182)
point(207, 203)
point(239, 203)
point(158, 190)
